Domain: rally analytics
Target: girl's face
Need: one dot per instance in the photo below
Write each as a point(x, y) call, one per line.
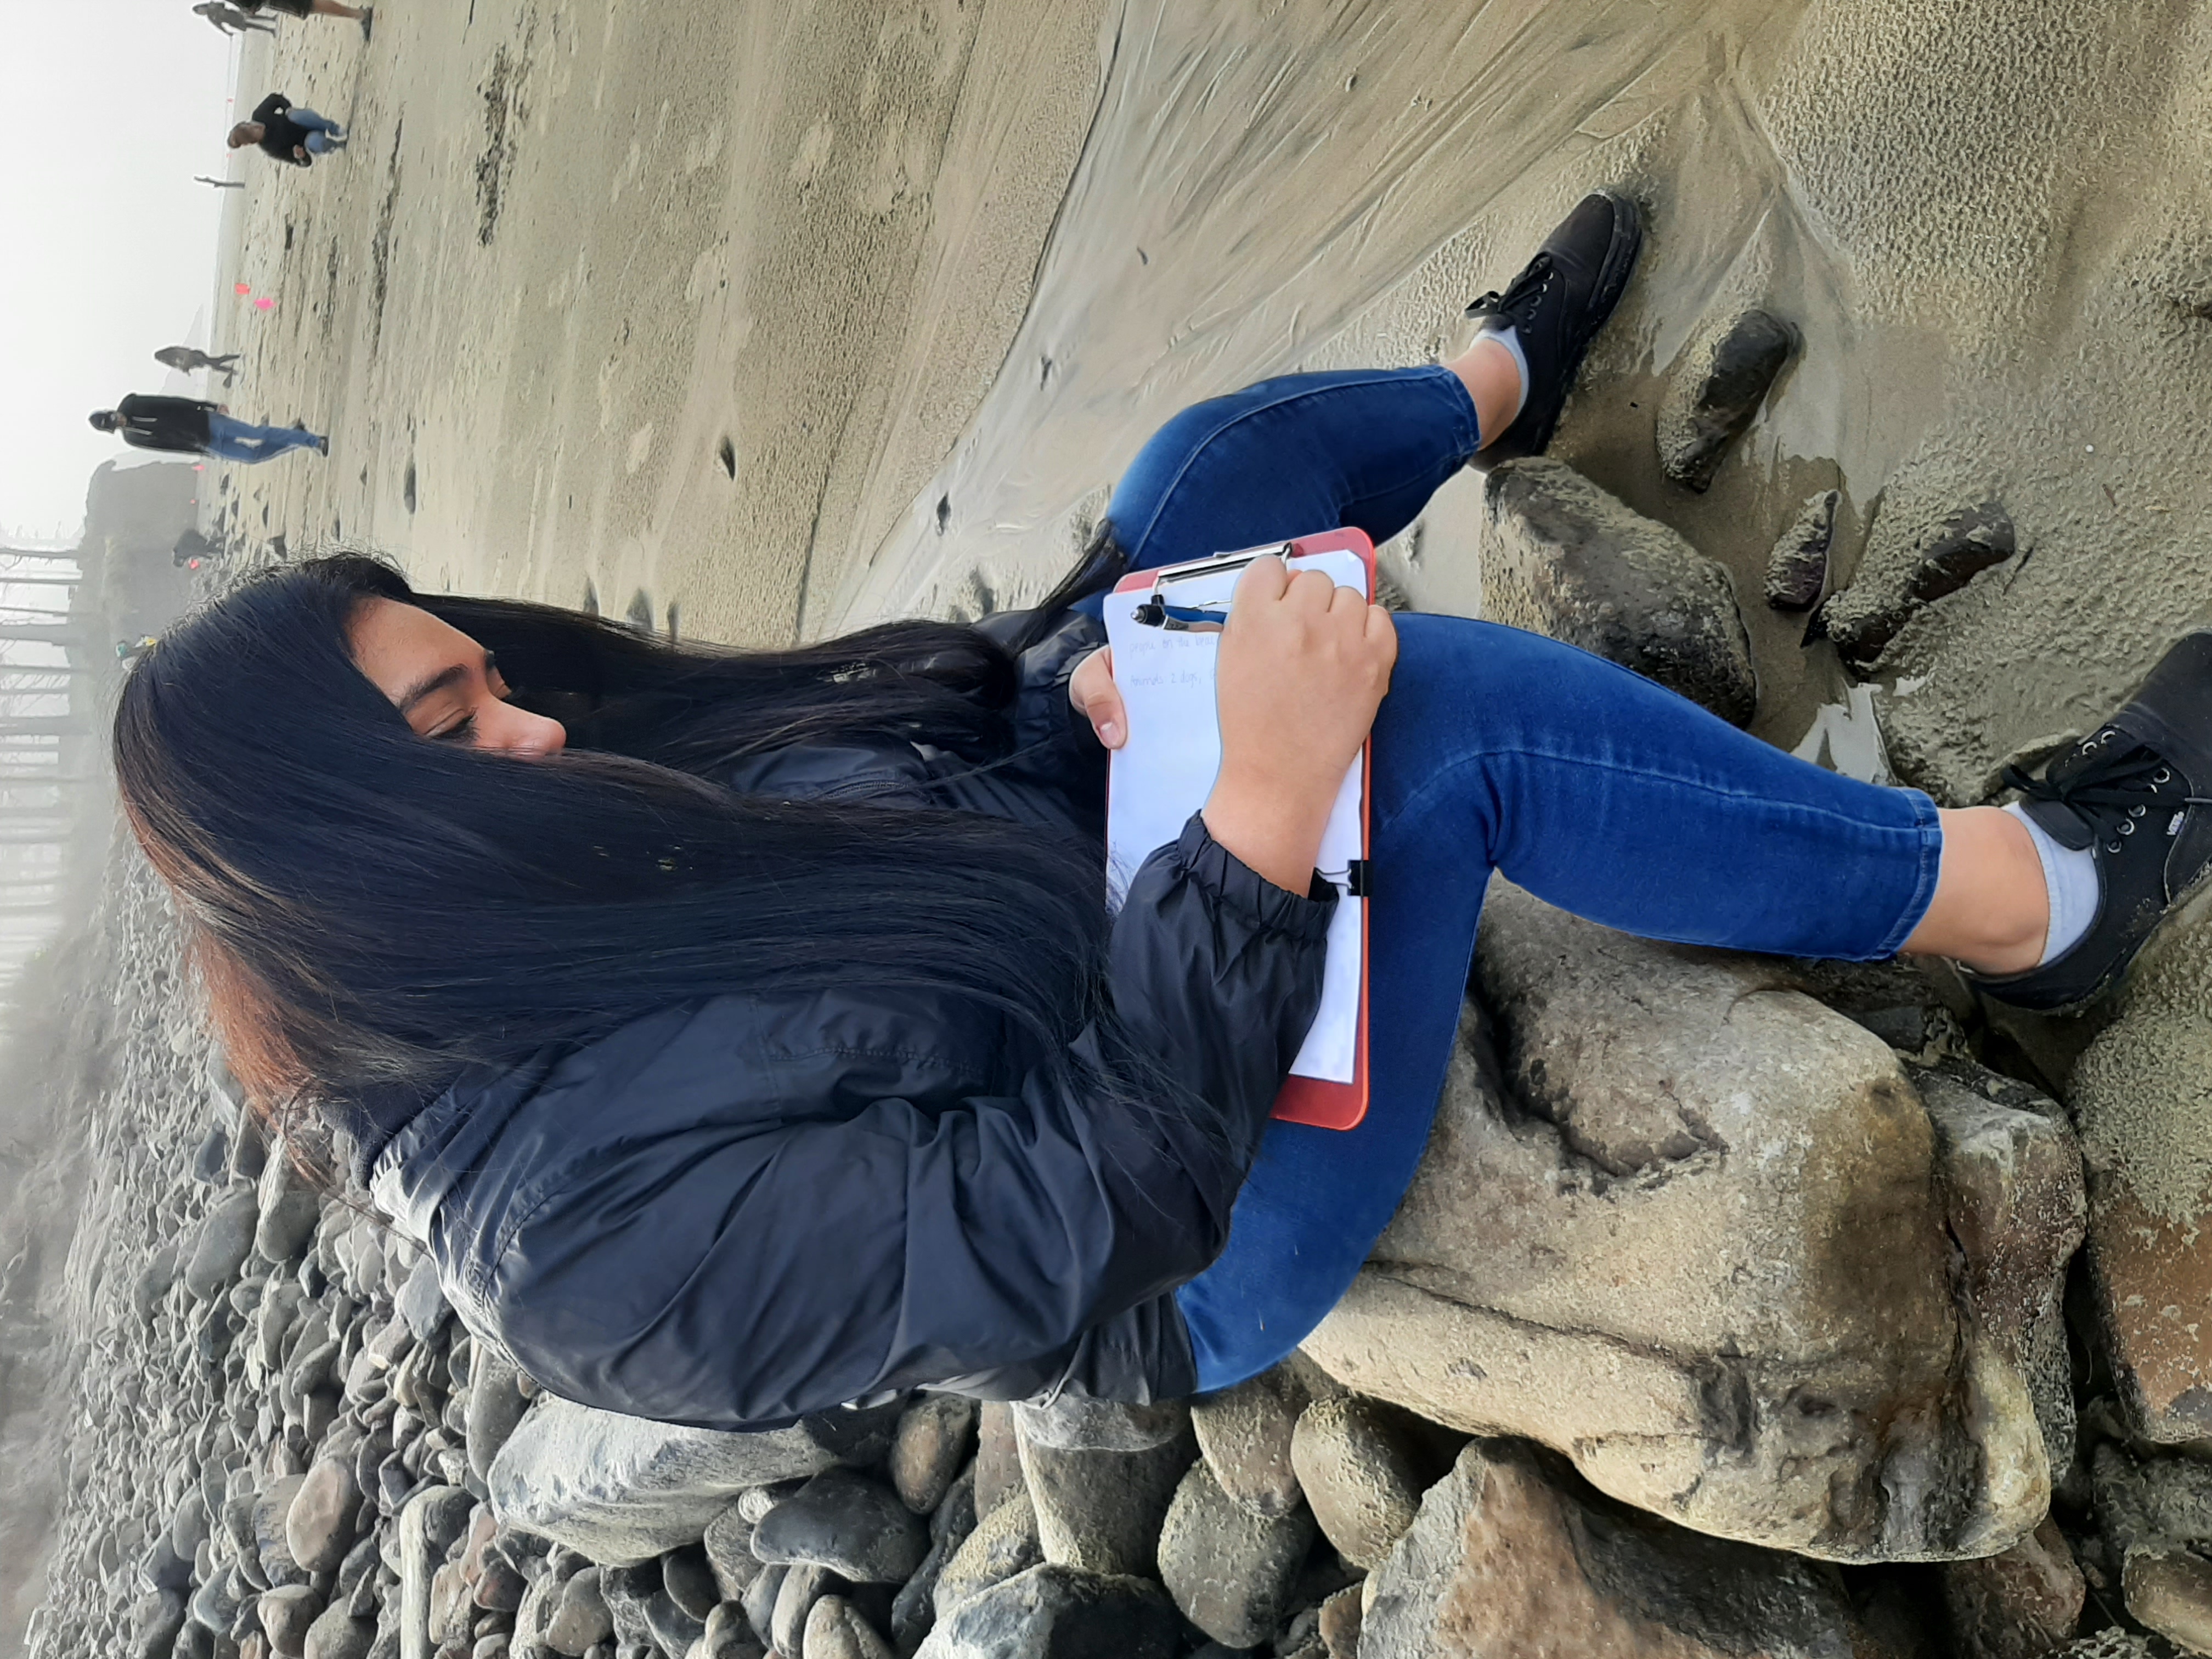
point(444, 684)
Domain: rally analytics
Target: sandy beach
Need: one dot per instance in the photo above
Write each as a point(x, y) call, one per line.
point(758, 322)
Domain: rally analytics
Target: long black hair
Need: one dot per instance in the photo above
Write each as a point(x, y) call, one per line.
point(374, 913)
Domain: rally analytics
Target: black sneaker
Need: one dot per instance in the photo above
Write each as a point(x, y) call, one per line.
point(2135, 790)
point(1558, 303)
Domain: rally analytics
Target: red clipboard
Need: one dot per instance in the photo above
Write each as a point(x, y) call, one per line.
point(1308, 1100)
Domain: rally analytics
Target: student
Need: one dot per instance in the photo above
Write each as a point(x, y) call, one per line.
point(229, 20)
point(192, 426)
point(189, 360)
point(289, 134)
point(743, 1032)
point(365, 15)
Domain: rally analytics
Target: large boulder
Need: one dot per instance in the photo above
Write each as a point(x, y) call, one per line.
point(1692, 1228)
point(619, 1489)
point(1511, 1555)
point(1562, 557)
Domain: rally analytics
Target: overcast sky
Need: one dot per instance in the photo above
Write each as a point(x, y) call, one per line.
point(107, 108)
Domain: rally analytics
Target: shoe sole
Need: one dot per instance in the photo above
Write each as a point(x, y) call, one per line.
point(1613, 274)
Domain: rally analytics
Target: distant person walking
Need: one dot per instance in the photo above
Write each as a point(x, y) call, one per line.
point(364, 16)
point(229, 20)
point(289, 134)
point(189, 360)
point(190, 426)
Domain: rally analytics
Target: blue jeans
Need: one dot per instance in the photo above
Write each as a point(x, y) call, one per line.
point(242, 441)
point(1591, 786)
point(324, 135)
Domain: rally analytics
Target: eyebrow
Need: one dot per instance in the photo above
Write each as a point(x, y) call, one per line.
point(452, 675)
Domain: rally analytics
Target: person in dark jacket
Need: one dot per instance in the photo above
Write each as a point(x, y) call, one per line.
point(287, 132)
point(364, 16)
point(192, 426)
point(744, 1033)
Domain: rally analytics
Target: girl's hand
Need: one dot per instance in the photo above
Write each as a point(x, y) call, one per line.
point(1302, 668)
point(1090, 688)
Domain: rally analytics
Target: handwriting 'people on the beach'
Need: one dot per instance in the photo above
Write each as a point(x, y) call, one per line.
point(192, 426)
point(365, 15)
point(229, 20)
point(189, 360)
point(287, 132)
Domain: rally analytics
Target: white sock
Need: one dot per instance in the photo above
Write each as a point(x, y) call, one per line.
point(2069, 877)
point(1509, 336)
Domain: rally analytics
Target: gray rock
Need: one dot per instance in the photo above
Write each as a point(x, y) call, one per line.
point(858, 1435)
point(155, 1619)
point(845, 1522)
point(760, 1598)
point(728, 1636)
point(155, 1282)
point(835, 1629)
point(998, 1456)
point(1098, 1508)
point(673, 1629)
point(1059, 1612)
point(286, 1614)
point(689, 1581)
point(1512, 1554)
point(495, 1409)
point(620, 1489)
point(2156, 1518)
point(271, 1511)
point(1789, 1363)
point(337, 1635)
point(211, 1163)
point(729, 1546)
point(1338, 1623)
point(802, 1586)
point(628, 1592)
point(1245, 1434)
point(936, 1437)
point(1361, 1470)
point(422, 1301)
point(430, 1523)
point(215, 1605)
point(2020, 1604)
point(1005, 1543)
point(577, 1617)
point(1909, 564)
point(289, 1210)
point(320, 1526)
point(913, 1610)
point(220, 1250)
point(1231, 1572)
point(1715, 389)
point(1075, 1422)
point(2014, 1200)
point(1562, 557)
point(1797, 565)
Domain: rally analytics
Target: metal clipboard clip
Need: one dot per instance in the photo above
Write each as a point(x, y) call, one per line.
point(1155, 611)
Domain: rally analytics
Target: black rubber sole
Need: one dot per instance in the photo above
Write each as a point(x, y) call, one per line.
point(1531, 432)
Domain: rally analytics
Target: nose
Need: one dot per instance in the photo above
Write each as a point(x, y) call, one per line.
point(518, 732)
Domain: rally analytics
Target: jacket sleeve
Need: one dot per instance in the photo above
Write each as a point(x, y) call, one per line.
point(1054, 745)
point(274, 104)
point(718, 1275)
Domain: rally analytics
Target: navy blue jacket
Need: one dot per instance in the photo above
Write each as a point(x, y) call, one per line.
point(739, 1212)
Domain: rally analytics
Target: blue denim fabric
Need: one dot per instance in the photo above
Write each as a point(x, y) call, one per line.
point(1590, 785)
point(242, 441)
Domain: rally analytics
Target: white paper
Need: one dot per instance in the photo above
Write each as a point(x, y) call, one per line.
point(1166, 770)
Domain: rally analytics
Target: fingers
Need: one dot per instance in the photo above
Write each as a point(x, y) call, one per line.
point(1109, 718)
